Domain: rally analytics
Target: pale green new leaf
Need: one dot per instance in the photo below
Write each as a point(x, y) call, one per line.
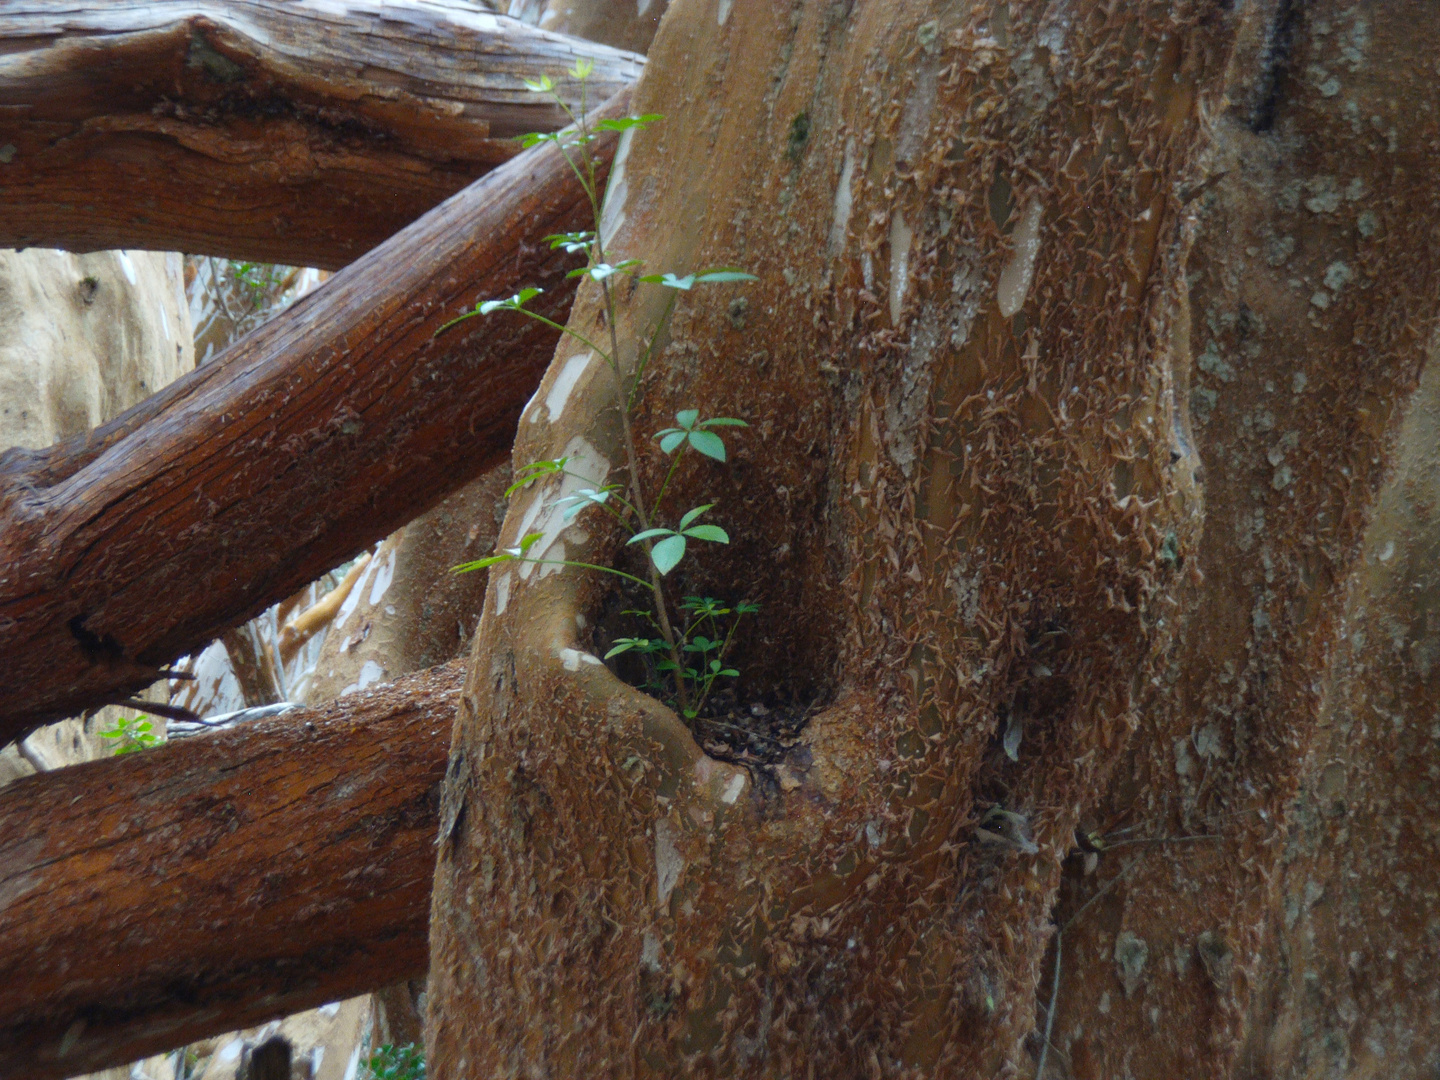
point(625, 123)
point(667, 553)
point(714, 533)
point(723, 273)
point(691, 515)
point(708, 443)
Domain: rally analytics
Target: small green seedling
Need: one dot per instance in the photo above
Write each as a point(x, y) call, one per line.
point(132, 734)
point(688, 651)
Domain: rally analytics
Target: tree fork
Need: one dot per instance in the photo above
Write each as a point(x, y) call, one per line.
point(255, 129)
point(328, 428)
point(220, 881)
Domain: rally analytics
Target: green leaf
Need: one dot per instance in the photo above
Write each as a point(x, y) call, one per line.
point(582, 69)
point(670, 280)
point(601, 271)
point(481, 564)
point(745, 607)
point(625, 644)
point(584, 498)
point(714, 533)
point(526, 543)
point(528, 474)
point(724, 273)
point(535, 138)
point(723, 421)
point(542, 85)
point(686, 418)
point(515, 303)
point(648, 534)
point(730, 671)
point(670, 438)
point(625, 123)
point(572, 242)
point(668, 553)
point(691, 515)
point(708, 443)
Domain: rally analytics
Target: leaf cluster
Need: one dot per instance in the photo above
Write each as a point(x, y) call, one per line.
point(692, 642)
point(132, 734)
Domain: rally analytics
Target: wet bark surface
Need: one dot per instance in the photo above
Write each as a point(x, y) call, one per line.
point(221, 880)
point(295, 133)
point(335, 423)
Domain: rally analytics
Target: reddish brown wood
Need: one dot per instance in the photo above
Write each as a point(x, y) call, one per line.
point(311, 438)
point(217, 882)
point(293, 132)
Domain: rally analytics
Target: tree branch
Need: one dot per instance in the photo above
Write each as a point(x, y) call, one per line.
point(219, 881)
point(321, 432)
point(273, 131)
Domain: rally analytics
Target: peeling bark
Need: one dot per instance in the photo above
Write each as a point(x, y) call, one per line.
point(1058, 466)
point(321, 432)
point(297, 133)
point(278, 866)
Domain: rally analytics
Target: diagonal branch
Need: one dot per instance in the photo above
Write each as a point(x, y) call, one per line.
point(296, 132)
point(219, 881)
point(321, 432)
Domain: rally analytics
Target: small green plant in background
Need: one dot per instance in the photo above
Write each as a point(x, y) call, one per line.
point(397, 1063)
point(258, 280)
point(132, 734)
point(693, 639)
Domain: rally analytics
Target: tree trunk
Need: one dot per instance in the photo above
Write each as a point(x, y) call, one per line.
point(298, 133)
point(1079, 351)
point(219, 881)
point(326, 429)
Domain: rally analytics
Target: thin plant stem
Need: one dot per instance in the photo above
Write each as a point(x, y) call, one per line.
point(674, 464)
point(657, 589)
point(644, 359)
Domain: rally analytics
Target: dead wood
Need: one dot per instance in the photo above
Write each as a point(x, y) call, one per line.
point(219, 881)
point(323, 431)
point(298, 133)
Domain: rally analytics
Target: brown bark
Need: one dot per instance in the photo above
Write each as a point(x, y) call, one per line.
point(323, 431)
point(295, 133)
point(1079, 352)
point(278, 866)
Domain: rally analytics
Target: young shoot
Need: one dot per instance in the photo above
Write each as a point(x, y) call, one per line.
point(686, 648)
point(132, 734)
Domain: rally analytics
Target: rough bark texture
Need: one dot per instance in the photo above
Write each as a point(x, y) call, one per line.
point(299, 133)
point(219, 881)
point(321, 432)
point(1079, 352)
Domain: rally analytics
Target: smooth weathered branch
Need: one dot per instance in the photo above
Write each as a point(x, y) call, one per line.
point(154, 899)
point(292, 132)
point(326, 429)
